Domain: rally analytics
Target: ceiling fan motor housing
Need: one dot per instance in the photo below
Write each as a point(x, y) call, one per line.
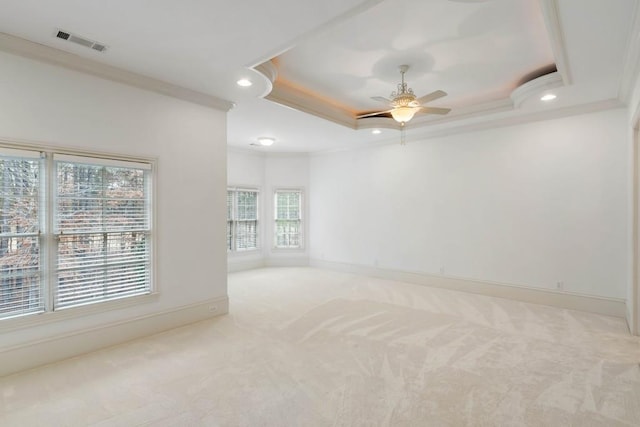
point(406, 99)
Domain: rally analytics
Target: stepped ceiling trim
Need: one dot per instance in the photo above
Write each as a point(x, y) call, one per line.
point(303, 99)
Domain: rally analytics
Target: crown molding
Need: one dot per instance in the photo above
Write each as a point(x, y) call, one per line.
point(631, 67)
point(295, 98)
point(268, 70)
point(465, 113)
point(421, 121)
point(264, 152)
point(535, 87)
point(551, 15)
point(437, 126)
point(308, 103)
point(486, 123)
point(39, 52)
point(269, 73)
point(511, 120)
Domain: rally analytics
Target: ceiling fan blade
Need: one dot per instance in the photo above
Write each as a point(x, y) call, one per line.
point(377, 113)
point(381, 99)
point(431, 97)
point(435, 110)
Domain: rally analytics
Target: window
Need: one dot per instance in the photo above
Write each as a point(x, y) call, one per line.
point(88, 219)
point(102, 227)
point(21, 280)
point(288, 218)
point(242, 219)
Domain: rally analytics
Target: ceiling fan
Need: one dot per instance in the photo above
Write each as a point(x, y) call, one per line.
point(404, 104)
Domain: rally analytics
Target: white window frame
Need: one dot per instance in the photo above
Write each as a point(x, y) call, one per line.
point(41, 304)
point(128, 283)
point(301, 237)
point(48, 254)
point(234, 221)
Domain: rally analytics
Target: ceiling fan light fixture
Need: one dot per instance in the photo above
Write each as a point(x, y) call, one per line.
point(403, 114)
point(266, 141)
point(405, 104)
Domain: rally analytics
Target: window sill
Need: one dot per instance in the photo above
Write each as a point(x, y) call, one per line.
point(37, 319)
point(246, 252)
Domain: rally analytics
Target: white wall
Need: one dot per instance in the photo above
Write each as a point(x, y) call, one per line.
point(633, 291)
point(245, 168)
point(632, 301)
point(61, 108)
point(530, 205)
point(268, 172)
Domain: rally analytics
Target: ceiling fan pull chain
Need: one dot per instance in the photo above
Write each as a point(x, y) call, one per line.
point(402, 135)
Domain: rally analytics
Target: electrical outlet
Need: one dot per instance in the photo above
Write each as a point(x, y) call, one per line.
point(560, 286)
point(442, 269)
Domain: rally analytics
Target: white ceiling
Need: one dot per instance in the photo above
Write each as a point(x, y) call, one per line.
point(476, 52)
point(204, 45)
point(345, 51)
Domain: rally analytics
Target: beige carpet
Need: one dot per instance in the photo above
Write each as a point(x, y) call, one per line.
point(306, 347)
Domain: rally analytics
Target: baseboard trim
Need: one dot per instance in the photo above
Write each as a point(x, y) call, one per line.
point(628, 316)
point(573, 301)
point(57, 348)
point(287, 261)
point(236, 265)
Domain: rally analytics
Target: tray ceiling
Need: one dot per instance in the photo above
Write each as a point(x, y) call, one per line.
point(477, 52)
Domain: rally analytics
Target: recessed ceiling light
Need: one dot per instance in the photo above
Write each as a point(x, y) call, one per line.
point(376, 131)
point(244, 82)
point(548, 97)
point(266, 141)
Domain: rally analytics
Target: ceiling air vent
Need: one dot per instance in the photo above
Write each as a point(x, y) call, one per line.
point(100, 47)
point(62, 35)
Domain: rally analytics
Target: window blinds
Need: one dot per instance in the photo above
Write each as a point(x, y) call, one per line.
point(21, 282)
point(229, 220)
point(288, 219)
point(102, 224)
point(242, 219)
